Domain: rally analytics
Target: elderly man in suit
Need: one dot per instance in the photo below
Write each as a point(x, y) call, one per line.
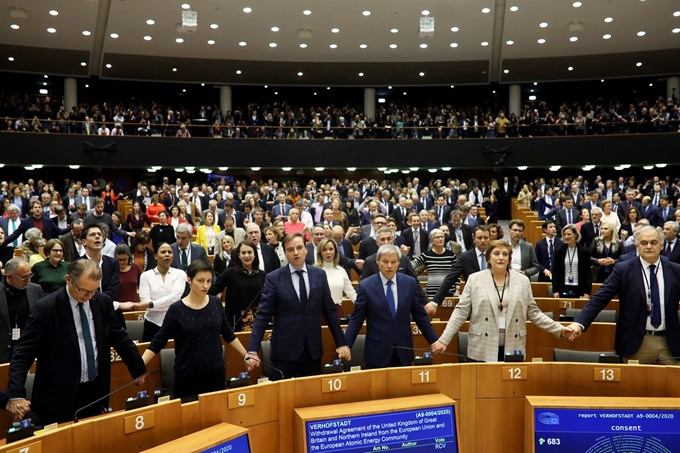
point(459, 232)
point(183, 251)
point(388, 301)
point(523, 256)
point(71, 333)
point(671, 247)
point(17, 298)
point(237, 234)
point(37, 219)
point(297, 295)
point(12, 223)
point(73, 247)
point(648, 288)
point(269, 261)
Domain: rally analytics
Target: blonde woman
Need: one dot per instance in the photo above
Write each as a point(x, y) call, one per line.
point(206, 234)
point(327, 258)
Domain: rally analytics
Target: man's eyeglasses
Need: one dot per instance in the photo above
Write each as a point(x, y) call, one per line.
point(23, 279)
point(84, 292)
point(94, 235)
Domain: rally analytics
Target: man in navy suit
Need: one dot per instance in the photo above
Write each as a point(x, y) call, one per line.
point(671, 246)
point(281, 208)
point(648, 210)
point(648, 289)
point(591, 230)
point(387, 301)
point(665, 212)
point(37, 219)
point(545, 251)
point(594, 201)
point(296, 295)
point(442, 211)
point(184, 252)
point(416, 238)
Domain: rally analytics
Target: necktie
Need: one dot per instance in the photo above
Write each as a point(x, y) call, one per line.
point(416, 242)
point(303, 287)
point(668, 248)
point(629, 204)
point(665, 213)
point(597, 230)
point(389, 294)
point(14, 228)
point(569, 217)
point(283, 212)
point(656, 199)
point(483, 261)
point(185, 260)
point(89, 346)
point(342, 250)
point(656, 301)
point(551, 252)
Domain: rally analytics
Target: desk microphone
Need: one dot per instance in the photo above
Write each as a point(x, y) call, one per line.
point(465, 358)
point(75, 416)
point(264, 363)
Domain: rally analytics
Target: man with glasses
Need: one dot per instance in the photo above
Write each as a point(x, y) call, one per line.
point(523, 258)
point(17, 297)
point(368, 247)
point(71, 333)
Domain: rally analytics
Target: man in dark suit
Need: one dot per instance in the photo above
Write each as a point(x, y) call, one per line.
point(269, 261)
point(593, 202)
point(10, 224)
point(665, 212)
point(296, 295)
point(183, 251)
point(567, 216)
point(443, 211)
point(648, 210)
point(281, 208)
point(73, 247)
point(545, 251)
point(37, 219)
point(460, 233)
point(389, 339)
point(17, 298)
point(347, 260)
point(591, 230)
point(628, 203)
point(671, 248)
point(416, 238)
point(648, 288)
point(60, 333)
point(69, 201)
point(467, 263)
point(238, 216)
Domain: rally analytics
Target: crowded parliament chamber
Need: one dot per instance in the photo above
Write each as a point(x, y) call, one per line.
point(404, 238)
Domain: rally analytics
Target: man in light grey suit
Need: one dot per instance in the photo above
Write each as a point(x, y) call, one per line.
point(86, 199)
point(238, 234)
point(17, 296)
point(183, 251)
point(524, 258)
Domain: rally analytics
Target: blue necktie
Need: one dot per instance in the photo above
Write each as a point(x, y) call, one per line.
point(89, 346)
point(656, 300)
point(390, 299)
point(483, 265)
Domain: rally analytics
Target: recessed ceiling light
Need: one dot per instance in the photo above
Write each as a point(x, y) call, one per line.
point(514, 8)
point(275, 29)
point(570, 68)
point(393, 46)
point(638, 64)
point(87, 86)
point(174, 69)
point(184, 90)
point(676, 14)
point(306, 12)
point(14, 27)
point(453, 86)
point(510, 42)
point(676, 30)
point(506, 71)
point(423, 46)
point(51, 30)
point(82, 63)
point(577, 4)
point(272, 44)
point(425, 12)
point(54, 12)
point(211, 41)
point(366, 13)
point(404, 93)
point(328, 88)
point(150, 22)
point(333, 46)
point(10, 58)
point(602, 80)
point(147, 38)
point(247, 10)
point(395, 30)
point(86, 33)
point(300, 74)
point(641, 33)
point(454, 44)
point(335, 30)
point(486, 10)
point(455, 29)
point(186, 6)
point(44, 84)
point(541, 41)
point(242, 43)
point(389, 87)
point(46, 76)
point(238, 71)
point(303, 45)
point(108, 66)
point(203, 84)
point(608, 19)
point(179, 40)
point(535, 83)
point(485, 43)
point(543, 24)
point(607, 36)
point(363, 46)
point(573, 39)
point(361, 74)
point(421, 74)
point(214, 26)
point(114, 35)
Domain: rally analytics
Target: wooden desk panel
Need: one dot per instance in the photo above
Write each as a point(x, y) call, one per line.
point(216, 407)
point(55, 441)
point(578, 379)
point(191, 417)
point(494, 380)
point(398, 383)
point(672, 381)
point(202, 440)
point(499, 425)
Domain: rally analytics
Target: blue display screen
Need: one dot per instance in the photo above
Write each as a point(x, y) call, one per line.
point(606, 431)
point(238, 445)
point(415, 431)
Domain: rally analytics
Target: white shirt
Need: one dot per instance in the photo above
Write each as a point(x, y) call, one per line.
point(338, 282)
point(296, 279)
point(571, 270)
point(394, 289)
point(516, 260)
point(306, 218)
point(662, 287)
point(84, 375)
point(152, 288)
point(260, 257)
point(109, 249)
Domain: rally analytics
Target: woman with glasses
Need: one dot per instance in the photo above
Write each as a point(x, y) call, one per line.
point(50, 273)
point(437, 260)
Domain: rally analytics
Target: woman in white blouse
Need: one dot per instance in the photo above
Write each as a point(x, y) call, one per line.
point(158, 289)
point(610, 216)
point(327, 258)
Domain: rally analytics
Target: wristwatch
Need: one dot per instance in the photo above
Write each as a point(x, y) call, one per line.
point(150, 304)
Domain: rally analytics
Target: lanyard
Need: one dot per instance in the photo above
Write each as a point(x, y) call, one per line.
point(649, 287)
point(571, 259)
point(501, 295)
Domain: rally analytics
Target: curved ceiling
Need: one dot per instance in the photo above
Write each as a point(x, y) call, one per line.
point(475, 41)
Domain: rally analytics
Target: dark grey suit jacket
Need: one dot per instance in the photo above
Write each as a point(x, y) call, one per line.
point(33, 293)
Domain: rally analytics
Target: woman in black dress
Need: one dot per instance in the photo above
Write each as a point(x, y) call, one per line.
point(197, 323)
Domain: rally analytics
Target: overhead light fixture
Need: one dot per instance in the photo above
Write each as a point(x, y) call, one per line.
point(303, 45)
point(286, 168)
point(676, 30)
point(638, 64)
point(404, 93)
point(306, 12)
point(38, 166)
point(247, 10)
point(389, 87)
point(361, 74)
point(555, 167)
point(363, 46)
point(577, 4)
point(625, 166)
point(238, 71)
point(51, 30)
point(394, 30)
point(43, 91)
point(272, 44)
point(275, 29)
point(608, 19)
point(676, 14)
point(514, 8)
point(186, 6)
point(29, 168)
point(54, 12)
point(486, 10)
point(211, 42)
point(522, 167)
point(648, 167)
point(423, 46)
point(455, 29)
point(86, 33)
point(382, 168)
point(335, 30)
point(214, 26)
point(393, 46)
point(179, 170)
point(414, 168)
point(432, 170)
point(74, 167)
point(174, 69)
point(10, 58)
point(319, 168)
point(543, 24)
point(406, 172)
point(485, 43)
point(573, 39)
point(454, 44)
point(570, 68)
point(150, 22)
point(14, 27)
point(425, 12)
point(366, 13)
point(190, 168)
point(46, 76)
point(333, 46)
point(351, 168)
point(300, 74)
point(242, 43)
point(662, 165)
point(206, 170)
point(114, 35)
point(108, 66)
point(532, 97)
point(421, 74)
point(607, 36)
point(510, 42)
point(446, 168)
point(506, 71)
point(83, 64)
point(641, 33)
point(179, 40)
point(147, 38)
point(541, 41)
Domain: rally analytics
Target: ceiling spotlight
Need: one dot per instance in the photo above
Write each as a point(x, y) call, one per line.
point(275, 29)
point(247, 10)
point(506, 71)
point(455, 29)
point(203, 84)
point(14, 27)
point(602, 80)
point(51, 30)
point(319, 168)
point(573, 39)
point(150, 22)
point(179, 40)
point(514, 8)
point(303, 46)
point(638, 64)
point(366, 13)
point(86, 33)
point(333, 46)
point(404, 93)
point(608, 19)
point(510, 42)
point(570, 68)
point(184, 90)
point(425, 12)
point(335, 30)
point(87, 86)
point(363, 46)
point(607, 36)
point(306, 12)
point(361, 74)
point(676, 14)
point(486, 10)
point(255, 168)
point(186, 6)
point(541, 41)
point(641, 33)
point(543, 24)
point(54, 12)
point(394, 30)
point(454, 44)
point(300, 74)
point(44, 84)
point(83, 64)
point(446, 168)
point(676, 30)
point(423, 46)
point(242, 43)
point(108, 66)
point(238, 71)
point(272, 44)
point(286, 168)
point(174, 69)
point(114, 35)
point(393, 46)
point(328, 88)
point(46, 76)
point(389, 87)
point(147, 38)
point(10, 58)
point(421, 74)
point(214, 26)
point(351, 168)
point(211, 41)
point(577, 4)
point(485, 43)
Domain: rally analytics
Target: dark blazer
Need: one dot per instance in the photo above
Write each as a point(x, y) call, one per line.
point(33, 293)
point(588, 234)
point(596, 251)
point(491, 212)
point(675, 253)
point(627, 285)
point(110, 276)
point(70, 251)
point(382, 330)
point(368, 248)
point(402, 221)
point(649, 213)
point(585, 278)
point(276, 210)
point(467, 235)
point(561, 219)
point(542, 255)
point(424, 239)
point(50, 335)
point(660, 219)
point(465, 265)
point(197, 253)
point(50, 230)
point(295, 324)
point(623, 207)
point(25, 209)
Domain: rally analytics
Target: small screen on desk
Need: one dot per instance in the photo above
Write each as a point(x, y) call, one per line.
point(415, 431)
point(606, 431)
point(237, 445)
